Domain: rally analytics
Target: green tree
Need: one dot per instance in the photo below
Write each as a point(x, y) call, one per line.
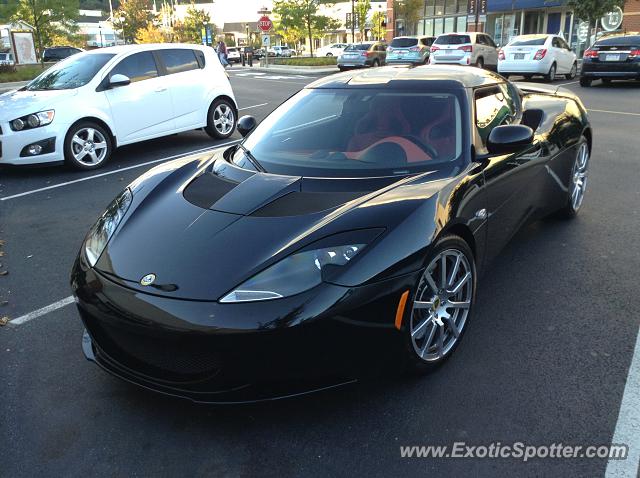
point(592, 10)
point(362, 9)
point(49, 18)
point(131, 17)
point(303, 16)
point(410, 11)
point(189, 30)
point(378, 27)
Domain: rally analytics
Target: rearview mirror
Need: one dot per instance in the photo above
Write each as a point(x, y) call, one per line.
point(509, 138)
point(246, 124)
point(119, 80)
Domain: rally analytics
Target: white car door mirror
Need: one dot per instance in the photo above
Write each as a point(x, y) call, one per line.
point(119, 80)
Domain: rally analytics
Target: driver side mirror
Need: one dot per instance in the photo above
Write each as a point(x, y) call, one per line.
point(509, 138)
point(246, 124)
point(119, 80)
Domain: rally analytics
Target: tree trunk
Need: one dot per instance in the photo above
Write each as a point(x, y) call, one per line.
point(310, 37)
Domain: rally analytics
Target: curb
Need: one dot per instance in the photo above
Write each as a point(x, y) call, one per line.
point(296, 70)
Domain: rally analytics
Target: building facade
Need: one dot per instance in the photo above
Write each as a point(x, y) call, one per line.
point(631, 20)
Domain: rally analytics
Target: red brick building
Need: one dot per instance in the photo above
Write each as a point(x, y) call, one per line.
point(631, 20)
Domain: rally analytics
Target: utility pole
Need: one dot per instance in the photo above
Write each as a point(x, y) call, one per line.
point(353, 21)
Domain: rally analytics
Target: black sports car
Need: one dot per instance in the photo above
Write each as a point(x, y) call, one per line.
point(346, 230)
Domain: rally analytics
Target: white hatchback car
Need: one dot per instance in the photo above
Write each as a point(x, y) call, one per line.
point(477, 49)
point(83, 107)
point(546, 55)
point(335, 49)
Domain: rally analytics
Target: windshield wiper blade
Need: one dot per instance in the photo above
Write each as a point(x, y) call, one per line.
point(252, 158)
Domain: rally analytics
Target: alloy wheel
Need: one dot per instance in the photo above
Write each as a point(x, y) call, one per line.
point(89, 146)
point(441, 305)
point(223, 119)
point(579, 177)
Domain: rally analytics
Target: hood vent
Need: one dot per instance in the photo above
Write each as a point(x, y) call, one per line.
point(207, 189)
point(300, 203)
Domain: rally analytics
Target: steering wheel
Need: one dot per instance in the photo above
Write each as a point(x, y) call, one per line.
point(427, 148)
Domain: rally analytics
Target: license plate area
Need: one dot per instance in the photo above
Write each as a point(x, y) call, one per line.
point(610, 57)
point(518, 56)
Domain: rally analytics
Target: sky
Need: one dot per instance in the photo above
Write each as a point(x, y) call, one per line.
point(239, 10)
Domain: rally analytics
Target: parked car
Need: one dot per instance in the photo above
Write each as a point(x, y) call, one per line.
point(360, 55)
point(6, 59)
point(57, 53)
point(335, 49)
point(529, 55)
point(283, 51)
point(615, 57)
point(233, 54)
point(413, 50)
point(367, 207)
point(82, 108)
point(477, 49)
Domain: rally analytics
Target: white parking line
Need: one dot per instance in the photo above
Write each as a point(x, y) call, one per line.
point(628, 426)
point(614, 112)
point(45, 310)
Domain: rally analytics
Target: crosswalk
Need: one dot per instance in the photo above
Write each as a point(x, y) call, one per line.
point(243, 72)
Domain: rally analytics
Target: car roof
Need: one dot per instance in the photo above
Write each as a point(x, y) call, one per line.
point(534, 36)
point(144, 47)
point(446, 76)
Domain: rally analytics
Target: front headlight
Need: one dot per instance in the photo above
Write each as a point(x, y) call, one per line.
point(34, 120)
point(294, 274)
point(103, 229)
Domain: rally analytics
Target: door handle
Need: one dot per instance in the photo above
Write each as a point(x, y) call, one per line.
point(160, 89)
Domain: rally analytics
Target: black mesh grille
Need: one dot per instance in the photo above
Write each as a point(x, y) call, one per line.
point(298, 203)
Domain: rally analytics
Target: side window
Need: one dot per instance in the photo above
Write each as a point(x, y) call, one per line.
point(556, 42)
point(489, 41)
point(564, 44)
point(493, 108)
point(178, 60)
point(138, 67)
point(480, 39)
point(200, 57)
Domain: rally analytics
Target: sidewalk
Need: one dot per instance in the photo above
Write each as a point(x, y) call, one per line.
point(4, 87)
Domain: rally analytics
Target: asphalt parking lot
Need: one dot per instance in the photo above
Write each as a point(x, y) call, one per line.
point(546, 359)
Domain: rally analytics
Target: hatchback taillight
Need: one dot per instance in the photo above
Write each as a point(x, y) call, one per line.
point(540, 54)
point(590, 54)
point(501, 55)
point(415, 48)
point(365, 53)
point(466, 48)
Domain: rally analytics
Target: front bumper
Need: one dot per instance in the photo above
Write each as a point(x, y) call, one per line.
point(220, 353)
point(12, 144)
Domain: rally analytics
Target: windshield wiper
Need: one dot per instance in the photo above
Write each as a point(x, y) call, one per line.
point(252, 158)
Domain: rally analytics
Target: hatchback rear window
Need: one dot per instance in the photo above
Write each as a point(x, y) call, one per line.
point(452, 40)
point(362, 46)
point(529, 41)
point(178, 60)
point(620, 41)
point(404, 42)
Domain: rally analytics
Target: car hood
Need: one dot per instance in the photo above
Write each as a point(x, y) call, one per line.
point(15, 104)
point(202, 232)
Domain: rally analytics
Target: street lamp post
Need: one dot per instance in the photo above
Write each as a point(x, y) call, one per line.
point(100, 30)
point(353, 21)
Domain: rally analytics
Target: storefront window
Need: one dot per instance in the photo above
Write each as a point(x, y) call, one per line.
point(449, 24)
point(438, 25)
point(450, 7)
point(439, 7)
point(462, 24)
point(428, 26)
point(429, 7)
point(462, 6)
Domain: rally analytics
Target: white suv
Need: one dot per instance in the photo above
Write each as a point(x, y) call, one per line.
point(545, 55)
point(83, 107)
point(477, 49)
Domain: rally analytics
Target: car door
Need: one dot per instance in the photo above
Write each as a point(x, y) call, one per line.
point(560, 53)
point(492, 51)
point(569, 55)
point(141, 109)
point(510, 178)
point(187, 84)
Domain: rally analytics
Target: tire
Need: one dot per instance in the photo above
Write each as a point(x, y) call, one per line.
point(479, 63)
point(579, 176)
point(572, 74)
point(528, 77)
point(585, 82)
point(551, 76)
point(329, 54)
point(606, 81)
point(341, 68)
point(221, 119)
point(422, 348)
point(375, 63)
point(506, 76)
point(81, 143)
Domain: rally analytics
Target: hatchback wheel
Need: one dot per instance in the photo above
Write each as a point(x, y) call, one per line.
point(441, 306)
point(87, 145)
point(479, 63)
point(221, 119)
point(573, 72)
point(551, 76)
point(375, 63)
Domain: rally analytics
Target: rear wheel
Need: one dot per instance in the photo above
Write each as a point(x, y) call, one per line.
point(528, 77)
point(573, 72)
point(329, 54)
point(585, 82)
point(221, 119)
point(375, 63)
point(441, 306)
point(479, 63)
point(87, 145)
point(551, 76)
point(606, 81)
point(578, 185)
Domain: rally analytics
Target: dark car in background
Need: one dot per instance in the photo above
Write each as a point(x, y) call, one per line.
point(412, 50)
point(57, 53)
point(614, 57)
point(361, 55)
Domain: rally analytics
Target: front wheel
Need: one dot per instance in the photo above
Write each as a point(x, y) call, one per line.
point(578, 184)
point(221, 119)
point(329, 54)
point(87, 145)
point(441, 305)
point(573, 72)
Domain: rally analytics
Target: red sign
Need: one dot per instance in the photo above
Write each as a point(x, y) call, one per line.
point(265, 24)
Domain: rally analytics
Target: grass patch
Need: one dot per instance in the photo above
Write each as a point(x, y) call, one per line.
point(304, 61)
point(20, 73)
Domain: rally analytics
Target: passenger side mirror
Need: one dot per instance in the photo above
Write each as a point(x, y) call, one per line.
point(119, 80)
point(246, 124)
point(509, 138)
